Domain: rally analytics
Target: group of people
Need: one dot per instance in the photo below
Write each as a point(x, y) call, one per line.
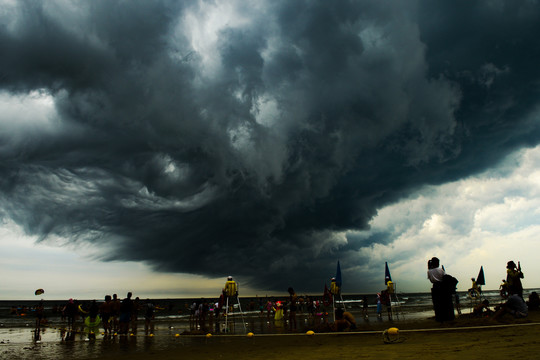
point(115, 316)
point(443, 294)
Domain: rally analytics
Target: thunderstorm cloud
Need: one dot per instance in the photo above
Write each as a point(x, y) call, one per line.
point(252, 137)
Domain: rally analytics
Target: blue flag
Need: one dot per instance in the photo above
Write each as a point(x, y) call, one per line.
point(387, 276)
point(338, 275)
point(480, 279)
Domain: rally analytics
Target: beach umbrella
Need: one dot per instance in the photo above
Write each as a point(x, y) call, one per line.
point(387, 276)
point(338, 275)
point(39, 292)
point(480, 278)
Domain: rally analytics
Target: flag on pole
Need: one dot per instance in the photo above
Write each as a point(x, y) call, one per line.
point(338, 275)
point(387, 276)
point(480, 280)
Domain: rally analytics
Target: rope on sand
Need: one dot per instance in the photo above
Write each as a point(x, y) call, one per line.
point(462, 328)
point(348, 333)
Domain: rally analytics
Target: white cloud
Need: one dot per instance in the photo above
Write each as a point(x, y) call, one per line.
point(484, 220)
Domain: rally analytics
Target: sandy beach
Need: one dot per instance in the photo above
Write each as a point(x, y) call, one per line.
point(464, 339)
point(469, 338)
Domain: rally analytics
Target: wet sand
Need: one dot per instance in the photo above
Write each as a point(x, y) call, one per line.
point(465, 338)
point(494, 343)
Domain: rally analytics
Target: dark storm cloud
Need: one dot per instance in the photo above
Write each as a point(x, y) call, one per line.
point(256, 159)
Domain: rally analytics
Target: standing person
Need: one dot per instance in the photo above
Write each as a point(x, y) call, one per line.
point(71, 312)
point(441, 292)
point(105, 311)
point(115, 312)
point(135, 314)
point(231, 291)
point(148, 317)
point(93, 320)
point(365, 307)
point(278, 314)
point(39, 310)
point(293, 307)
point(126, 308)
point(386, 301)
point(513, 279)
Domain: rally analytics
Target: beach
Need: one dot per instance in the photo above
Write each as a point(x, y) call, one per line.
point(466, 337)
point(493, 343)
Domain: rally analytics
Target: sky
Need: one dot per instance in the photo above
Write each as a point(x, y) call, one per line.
point(159, 147)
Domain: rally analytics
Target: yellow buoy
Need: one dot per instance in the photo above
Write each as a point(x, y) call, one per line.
point(151, 335)
point(177, 335)
point(391, 335)
point(249, 334)
point(310, 333)
point(208, 335)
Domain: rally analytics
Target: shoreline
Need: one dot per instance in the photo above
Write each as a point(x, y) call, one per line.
point(466, 336)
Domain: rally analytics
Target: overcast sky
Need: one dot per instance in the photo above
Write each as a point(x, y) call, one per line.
point(160, 146)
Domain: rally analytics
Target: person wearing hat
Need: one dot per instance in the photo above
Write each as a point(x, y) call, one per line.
point(334, 288)
point(513, 279)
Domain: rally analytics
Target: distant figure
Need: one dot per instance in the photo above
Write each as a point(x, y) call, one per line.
point(40, 313)
point(293, 307)
point(534, 301)
point(93, 320)
point(482, 308)
point(503, 289)
point(115, 312)
point(389, 286)
point(278, 311)
point(71, 313)
point(386, 301)
point(513, 278)
point(231, 292)
point(149, 317)
point(135, 314)
point(515, 306)
point(350, 318)
point(474, 291)
point(365, 307)
point(340, 324)
point(231, 288)
point(441, 292)
point(105, 311)
point(126, 308)
point(334, 288)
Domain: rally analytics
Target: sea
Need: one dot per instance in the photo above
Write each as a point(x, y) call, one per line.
point(21, 338)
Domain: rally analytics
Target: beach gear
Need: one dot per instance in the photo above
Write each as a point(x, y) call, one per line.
point(387, 276)
point(391, 335)
point(480, 280)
